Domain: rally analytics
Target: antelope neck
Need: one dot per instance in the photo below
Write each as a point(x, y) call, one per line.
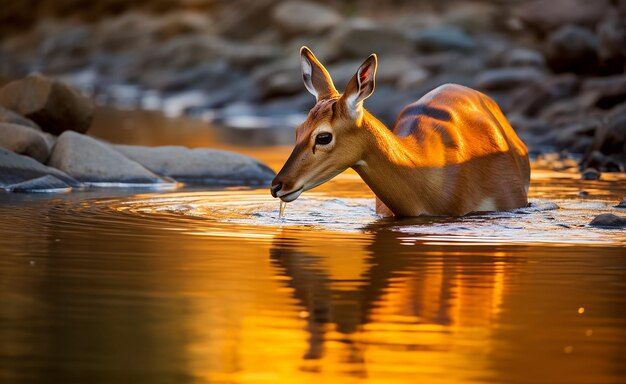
point(394, 169)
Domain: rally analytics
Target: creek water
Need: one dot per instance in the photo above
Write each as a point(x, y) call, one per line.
point(209, 286)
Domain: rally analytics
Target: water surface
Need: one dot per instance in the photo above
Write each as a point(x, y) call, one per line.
point(201, 286)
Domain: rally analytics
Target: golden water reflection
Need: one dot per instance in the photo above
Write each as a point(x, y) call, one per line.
point(103, 289)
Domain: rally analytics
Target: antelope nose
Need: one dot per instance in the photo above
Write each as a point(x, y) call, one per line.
point(276, 188)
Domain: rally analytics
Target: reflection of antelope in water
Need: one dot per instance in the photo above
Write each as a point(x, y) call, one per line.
point(452, 152)
point(426, 283)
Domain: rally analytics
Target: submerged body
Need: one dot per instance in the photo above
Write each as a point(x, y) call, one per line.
point(450, 153)
point(453, 153)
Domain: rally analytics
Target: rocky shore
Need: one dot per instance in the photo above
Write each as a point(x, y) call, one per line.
point(556, 67)
point(43, 148)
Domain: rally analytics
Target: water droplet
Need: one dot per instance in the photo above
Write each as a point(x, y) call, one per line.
point(589, 332)
point(581, 310)
point(568, 349)
point(281, 213)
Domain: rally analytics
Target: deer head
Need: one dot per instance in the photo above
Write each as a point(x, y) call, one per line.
point(329, 141)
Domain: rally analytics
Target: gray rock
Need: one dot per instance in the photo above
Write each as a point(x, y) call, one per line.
point(46, 184)
point(603, 92)
point(590, 174)
point(294, 17)
point(8, 116)
point(25, 141)
point(53, 105)
point(358, 38)
point(441, 39)
point(200, 166)
point(506, 78)
point(522, 57)
point(191, 51)
point(546, 15)
point(610, 140)
point(16, 169)
point(572, 48)
point(279, 78)
point(608, 220)
point(622, 204)
point(531, 98)
point(245, 22)
point(93, 161)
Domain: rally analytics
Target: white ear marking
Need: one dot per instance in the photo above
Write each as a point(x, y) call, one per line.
point(307, 73)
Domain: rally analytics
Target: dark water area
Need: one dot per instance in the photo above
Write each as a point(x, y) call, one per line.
point(209, 286)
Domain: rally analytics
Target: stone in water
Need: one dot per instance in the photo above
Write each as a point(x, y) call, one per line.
point(281, 213)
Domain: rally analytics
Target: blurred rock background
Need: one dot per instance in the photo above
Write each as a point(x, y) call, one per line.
point(556, 67)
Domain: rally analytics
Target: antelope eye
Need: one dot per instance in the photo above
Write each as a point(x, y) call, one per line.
point(323, 138)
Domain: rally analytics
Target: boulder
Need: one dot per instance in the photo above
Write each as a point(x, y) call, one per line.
point(609, 140)
point(200, 166)
point(359, 38)
point(533, 97)
point(441, 39)
point(572, 49)
point(25, 141)
point(506, 78)
point(245, 22)
point(279, 78)
point(608, 220)
point(53, 105)
point(93, 161)
point(16, 169)
point(296, 17)
point(44, 184)
point(590, 174)
point(546, 15)
point(8, 116)
point(522, 57)
point(604, 92)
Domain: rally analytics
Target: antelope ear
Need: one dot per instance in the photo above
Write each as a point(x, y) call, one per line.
point(361, 86)
point(315, 77)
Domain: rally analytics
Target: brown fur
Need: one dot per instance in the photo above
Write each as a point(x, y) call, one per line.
point(451, 153)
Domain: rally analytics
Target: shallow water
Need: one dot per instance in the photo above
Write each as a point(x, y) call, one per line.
point(211, 287)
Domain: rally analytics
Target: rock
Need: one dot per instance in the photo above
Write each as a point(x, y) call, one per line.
point(604, 92)
point(200, 166)
point(590, 174)
point(93, 161)
point(506, 78)
point(522, 57)
point(295, 17)
point(16, 169)
point(279, 78)
point(612, 44)
point(24, 141)
point(53, 105)
point(546, 15)
point(191, 51)
point(583, 194)
point(572, 49)
point(358, 38)
point(45, 184)
point(608, 220)
point(531, 98)
point(610, 139)
point(246, 22)
point(184, 23)
point(441, 39)
point(622, 204)
point(8, 116)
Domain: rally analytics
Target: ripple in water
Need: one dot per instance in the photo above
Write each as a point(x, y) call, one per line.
point(559, 222)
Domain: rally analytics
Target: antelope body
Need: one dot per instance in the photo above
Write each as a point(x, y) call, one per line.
point(452, 152)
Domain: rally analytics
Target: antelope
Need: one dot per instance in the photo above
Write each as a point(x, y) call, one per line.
point(451, 153)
